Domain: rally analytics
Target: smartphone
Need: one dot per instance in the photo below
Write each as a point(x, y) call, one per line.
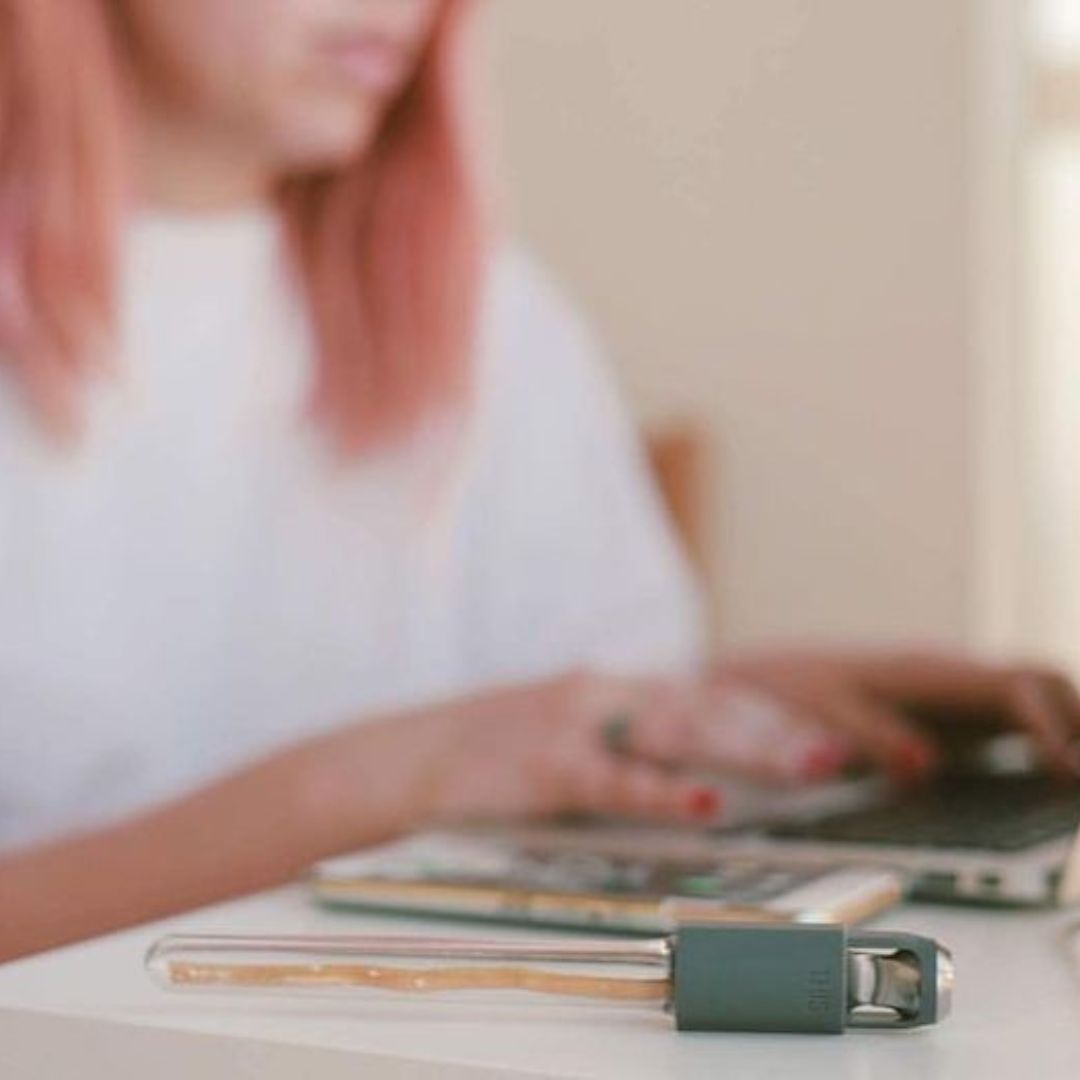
point(508, 880)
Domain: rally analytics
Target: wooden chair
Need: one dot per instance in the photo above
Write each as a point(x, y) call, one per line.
point(678, 455)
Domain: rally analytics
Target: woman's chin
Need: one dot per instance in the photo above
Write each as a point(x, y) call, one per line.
point(321, 146)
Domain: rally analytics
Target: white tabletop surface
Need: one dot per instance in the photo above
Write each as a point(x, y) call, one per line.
point(90, 1011)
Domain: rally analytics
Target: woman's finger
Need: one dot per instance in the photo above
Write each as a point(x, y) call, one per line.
point(627, 755)
point(734, 729)
point(1067, 698)
point(1035, 705)
point(930, 679)
point(769, 738)
point(600, 783)
point(878, 732)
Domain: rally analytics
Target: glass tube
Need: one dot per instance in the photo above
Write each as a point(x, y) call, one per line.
point(625, 972)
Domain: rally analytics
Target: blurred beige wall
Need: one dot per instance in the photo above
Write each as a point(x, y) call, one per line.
point(763, 206)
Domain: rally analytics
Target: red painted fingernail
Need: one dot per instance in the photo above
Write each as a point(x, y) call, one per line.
point(913, 759)
point(824, 761)
point(704, 803)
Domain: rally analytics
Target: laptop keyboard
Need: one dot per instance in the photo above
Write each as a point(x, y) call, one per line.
point(1001, 813)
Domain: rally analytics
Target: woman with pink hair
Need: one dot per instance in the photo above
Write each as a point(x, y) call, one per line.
point(318, 514)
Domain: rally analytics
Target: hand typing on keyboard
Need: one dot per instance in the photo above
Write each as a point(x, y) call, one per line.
point(895, 709)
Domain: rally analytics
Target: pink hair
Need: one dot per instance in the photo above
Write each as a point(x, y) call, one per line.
point(389, 250)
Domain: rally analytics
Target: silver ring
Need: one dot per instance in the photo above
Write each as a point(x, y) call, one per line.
point(615, 731)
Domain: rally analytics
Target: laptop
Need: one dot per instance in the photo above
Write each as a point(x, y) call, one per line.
point(992, 829)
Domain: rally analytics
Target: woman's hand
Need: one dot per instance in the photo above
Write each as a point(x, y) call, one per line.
point(584, 743)
point(875, 701)
point(589, 743)
point(641, 748)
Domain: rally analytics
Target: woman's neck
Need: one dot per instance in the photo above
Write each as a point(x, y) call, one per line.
point(186, 167)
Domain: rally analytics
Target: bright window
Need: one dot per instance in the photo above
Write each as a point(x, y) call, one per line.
point(1048, 601)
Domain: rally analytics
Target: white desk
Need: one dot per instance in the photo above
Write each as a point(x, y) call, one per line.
point(89, 1011)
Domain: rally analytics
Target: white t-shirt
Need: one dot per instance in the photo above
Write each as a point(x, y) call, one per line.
point(199, 581)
